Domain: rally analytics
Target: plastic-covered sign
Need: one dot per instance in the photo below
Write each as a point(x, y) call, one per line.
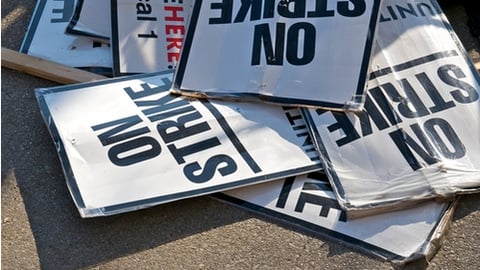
point(307, 202)
point(46, 39)
point(418, 136)
point(147, 36)
point(310, 53)
point(127, 144)
point(91, 18)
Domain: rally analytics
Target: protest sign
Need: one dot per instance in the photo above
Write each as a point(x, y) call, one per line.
point(127, 144)
point(310, 53)
point(418, 136)
point(308, 203)
point(91, 18)
point(147, 36)
point(46, 39)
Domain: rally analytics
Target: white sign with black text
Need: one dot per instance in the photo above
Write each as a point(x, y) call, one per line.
point(312, 53)
point(307, 202)
point(418, 136)
point(147, 36)
point(127, 144)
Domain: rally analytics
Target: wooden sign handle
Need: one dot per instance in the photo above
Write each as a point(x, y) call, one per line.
point(46, 69)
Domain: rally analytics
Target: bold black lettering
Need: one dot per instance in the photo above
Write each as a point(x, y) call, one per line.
point(66, 12)
point(321, 10)
point(392, 13)
point(175, 130)
point(144, 9)
point(113, 135)
point(226, 10)
point(371, 112)
point(147, 90)
point(151, 35)
point(406, 103)
point(325, 203)
point(343, 123)
point(223, 163)
point(147, 148)
point(458, 148)
point(292, 118)
point(179, 153)
point(309, 37)
point(434, 94)
point(262, 33)
point(384, 105)
point(406, 144)
point(422, 6)
point(268, 9)
point(410, 10)
point(291, 8)
point(359, 7)
point(164, 115)
point(255, 8)
point(165, 106)
point(286, 188)
point(465, 92)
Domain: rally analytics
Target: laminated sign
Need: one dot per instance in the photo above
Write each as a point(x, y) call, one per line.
point(147, 36)
point(311, 53)
point(46, 39)
point(419, 133)
point(307, 202)
point(91, 18)
point(127, 144)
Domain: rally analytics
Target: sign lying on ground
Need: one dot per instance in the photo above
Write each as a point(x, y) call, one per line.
point(147, 36)
point(127, 144)
point(91, 18)
point(418, 136)
point(291, 52)
point(308, 202)
point(46, 39)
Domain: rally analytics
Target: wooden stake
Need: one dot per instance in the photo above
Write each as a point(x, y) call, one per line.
point(46, 69)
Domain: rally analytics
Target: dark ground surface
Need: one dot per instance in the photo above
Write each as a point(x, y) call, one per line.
point(41, 227)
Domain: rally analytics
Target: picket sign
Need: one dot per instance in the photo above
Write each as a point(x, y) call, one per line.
point(91, 18)
point(307, 202)
point(46, 39)
point(147, 36)
point(418, 136)
point(126, 143)
point(306, 53)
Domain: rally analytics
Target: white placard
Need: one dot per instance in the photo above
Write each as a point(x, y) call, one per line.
point(147, 36)
point(419, 135)
point(46, 39)
point(311, 53)
point(91, 19)
point(308, 202)
point(127, 144)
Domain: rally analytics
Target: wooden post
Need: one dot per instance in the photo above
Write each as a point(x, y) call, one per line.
point(46, 69)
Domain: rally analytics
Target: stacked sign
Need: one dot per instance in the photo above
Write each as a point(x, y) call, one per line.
point(389, 125)
point(421, 111)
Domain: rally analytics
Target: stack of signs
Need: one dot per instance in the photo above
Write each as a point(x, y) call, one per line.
point(418, 135)
point(128, 143)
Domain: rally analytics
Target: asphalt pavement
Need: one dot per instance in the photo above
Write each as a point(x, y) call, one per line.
point(41, 228)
